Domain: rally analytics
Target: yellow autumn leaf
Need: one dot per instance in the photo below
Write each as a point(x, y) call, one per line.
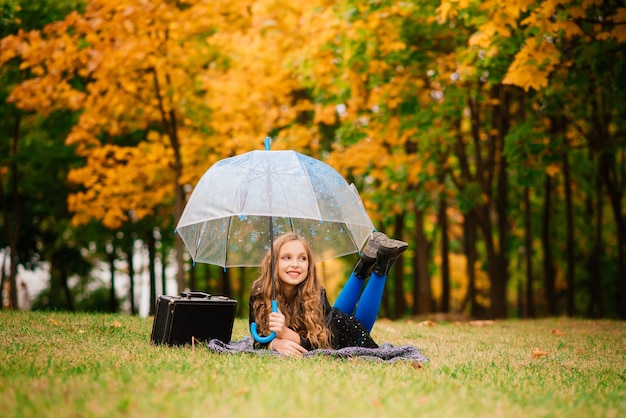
point(532, 65)
point(569, 28)
point(445, 10)
point(577, 12)
point(479, 39)
point(326, 114)
point(553, 169)
point(396, 46)
point(588, 3)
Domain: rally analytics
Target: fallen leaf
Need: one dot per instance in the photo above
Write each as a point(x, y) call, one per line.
point(242, 391)
point(426, 324)
point(481, 323)
point(53, 321)
point(557, 332)
point(417, 365)
point(117, 324)
point(539, 353)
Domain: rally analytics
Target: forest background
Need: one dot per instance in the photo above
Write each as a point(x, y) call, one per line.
point(490, 135)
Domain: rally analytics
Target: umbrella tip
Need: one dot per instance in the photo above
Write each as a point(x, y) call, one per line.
point(268, 141)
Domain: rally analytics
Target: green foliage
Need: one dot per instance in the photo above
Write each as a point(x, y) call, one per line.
point(527, 149)
point(28, 15)
point(8, 16)
point(470, 196)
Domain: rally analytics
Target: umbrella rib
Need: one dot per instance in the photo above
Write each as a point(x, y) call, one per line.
point(227, 238)
point(351, 236)
point(198, 241)
point(308, 180)
point(244, 195)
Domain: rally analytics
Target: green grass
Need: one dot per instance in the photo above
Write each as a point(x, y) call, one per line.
point(82, 365)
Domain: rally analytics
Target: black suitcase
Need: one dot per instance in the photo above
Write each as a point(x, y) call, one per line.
point(193, 314)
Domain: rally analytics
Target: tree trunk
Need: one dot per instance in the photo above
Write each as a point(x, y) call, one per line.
point(596, 304)
point(528, 255)
point(422, 294)
point(12, 225)
point(502, 122)
point(469, 245)
point(130, 253)
point(614, 188)
point(151, 244)
point(398, 271)
point(180, 199)
point(225, 288)
point(571, 288)
point(243, 290)
point(207, 276)
point(495, 268)
point(607, 143)
point(112, 297)
point(3, 277)
point(193, 278)
point(58, 260)
point(163, 269)
point(445, 251)
point(549, 273)
point(170, 123)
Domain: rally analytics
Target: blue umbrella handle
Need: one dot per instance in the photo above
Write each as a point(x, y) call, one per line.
point(269, 338)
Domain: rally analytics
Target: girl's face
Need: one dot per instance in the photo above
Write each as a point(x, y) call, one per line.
point(293, 265)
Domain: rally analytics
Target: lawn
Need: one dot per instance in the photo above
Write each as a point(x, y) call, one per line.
point(100, 365)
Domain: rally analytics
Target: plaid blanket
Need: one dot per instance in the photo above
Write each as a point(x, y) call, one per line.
point(385, 352)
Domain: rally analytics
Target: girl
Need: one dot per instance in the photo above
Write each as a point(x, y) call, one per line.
point(305, 319)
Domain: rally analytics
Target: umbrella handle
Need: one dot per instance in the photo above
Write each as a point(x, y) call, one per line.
point(272, 335)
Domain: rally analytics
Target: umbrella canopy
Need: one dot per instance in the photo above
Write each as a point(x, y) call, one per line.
point(227, 219)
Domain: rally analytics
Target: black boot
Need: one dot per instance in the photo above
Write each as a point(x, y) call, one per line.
point(365, 265)
point(389, 251)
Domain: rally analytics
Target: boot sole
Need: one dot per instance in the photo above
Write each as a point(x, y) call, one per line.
point(389, 243)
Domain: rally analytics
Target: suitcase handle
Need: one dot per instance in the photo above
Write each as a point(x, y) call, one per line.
point(195, 295)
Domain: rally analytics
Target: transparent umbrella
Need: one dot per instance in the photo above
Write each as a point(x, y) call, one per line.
point(241, 203)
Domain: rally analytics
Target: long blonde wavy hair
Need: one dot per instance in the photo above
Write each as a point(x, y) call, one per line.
point(303, 310)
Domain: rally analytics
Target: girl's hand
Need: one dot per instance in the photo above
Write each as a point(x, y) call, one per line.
point(287, 341)
point(287, 347)
point(277, 324)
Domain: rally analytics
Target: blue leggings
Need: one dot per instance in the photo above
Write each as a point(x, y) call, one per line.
point(368, 304)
